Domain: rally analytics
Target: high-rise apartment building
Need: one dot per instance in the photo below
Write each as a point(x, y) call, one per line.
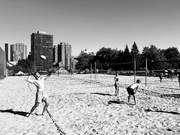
point(62, 55)
point(18, 51)
point(7, 51)
point(42, 44)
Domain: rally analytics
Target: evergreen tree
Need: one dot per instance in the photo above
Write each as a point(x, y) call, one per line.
point(135, 55)
point(134, 51)
point(126, 55)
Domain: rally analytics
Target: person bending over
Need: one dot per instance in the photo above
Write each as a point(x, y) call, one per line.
point(132, 89)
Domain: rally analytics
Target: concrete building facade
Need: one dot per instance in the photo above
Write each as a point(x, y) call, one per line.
point(18, 51)
point(62, 55)
point(2, 63)
point(7, 51)
point(42, 44)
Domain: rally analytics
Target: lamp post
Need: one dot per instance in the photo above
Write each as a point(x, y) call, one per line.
point(90, 70)
point(95, 69)
point(134, 70)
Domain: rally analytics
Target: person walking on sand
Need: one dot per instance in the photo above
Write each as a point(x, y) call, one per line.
point(132, 89)
point(116, 84)
point(41, 94)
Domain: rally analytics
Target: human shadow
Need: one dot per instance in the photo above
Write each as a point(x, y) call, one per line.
point(152, 93)
point(171, 112)
point(116, 102)
point(103, 94)
point(79, 93)
point(21, 113)
point(170, 95)
point(170, 88)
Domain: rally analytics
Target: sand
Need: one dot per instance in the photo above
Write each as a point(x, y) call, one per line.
point(86, 105)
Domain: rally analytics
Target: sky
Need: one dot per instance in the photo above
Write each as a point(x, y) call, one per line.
point(92, 24)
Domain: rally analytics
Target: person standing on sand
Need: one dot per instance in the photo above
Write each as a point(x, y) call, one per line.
point(41, 94)
point(132, 89)
point(161, 77)
point(116, 84)
point(179, 79)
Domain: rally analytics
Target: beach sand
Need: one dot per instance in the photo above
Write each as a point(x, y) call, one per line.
point(85, 105)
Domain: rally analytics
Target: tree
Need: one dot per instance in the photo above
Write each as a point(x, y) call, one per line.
point(84, 60)
point(135, 55)
point(134, 51)
point(107, 56)
point(126, 55)
point(127, 59)
point(172, 54)
point(23, 65)
point(154, 56)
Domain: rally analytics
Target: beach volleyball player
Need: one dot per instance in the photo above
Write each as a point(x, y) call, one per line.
point(116, 84)
point(41, 94)
point(132, 89)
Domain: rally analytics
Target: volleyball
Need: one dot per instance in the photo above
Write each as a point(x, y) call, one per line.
point(43, 57)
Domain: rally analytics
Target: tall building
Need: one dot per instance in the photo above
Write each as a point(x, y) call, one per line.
point(55, 55)
point(42, 44)
point(2, 63)
point(18, 51)
point(7, 51)
point(62, 55)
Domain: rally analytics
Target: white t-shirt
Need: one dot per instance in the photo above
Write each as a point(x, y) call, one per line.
point(134, 86)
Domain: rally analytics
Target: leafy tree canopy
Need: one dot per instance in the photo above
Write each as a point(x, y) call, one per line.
point(172, 54)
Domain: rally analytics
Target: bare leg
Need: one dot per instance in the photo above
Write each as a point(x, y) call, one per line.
point(33, 108)
point(115, 91)
point(128, 98)
point(45, 106)
point(118, 97)
point(134, 99)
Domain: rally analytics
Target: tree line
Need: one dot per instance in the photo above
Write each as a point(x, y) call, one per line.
point(107, 58)
point(117, 60)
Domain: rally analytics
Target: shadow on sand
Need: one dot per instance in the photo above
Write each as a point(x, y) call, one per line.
point(170, 88)
point(171, 112)
point(152, 93)
point(21, 113)
point(170, 95)
point(103, 94)
point(117, 102)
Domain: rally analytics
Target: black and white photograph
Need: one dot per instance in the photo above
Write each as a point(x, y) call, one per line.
point(90, 67)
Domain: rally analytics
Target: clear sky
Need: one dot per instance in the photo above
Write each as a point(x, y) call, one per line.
point(92, 24)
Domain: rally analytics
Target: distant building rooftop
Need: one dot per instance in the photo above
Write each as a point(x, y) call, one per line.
point(41, 32)
point(87, 51)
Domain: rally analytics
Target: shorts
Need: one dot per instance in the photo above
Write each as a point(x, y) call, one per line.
point(130, 91)
point(41, 96)
point(115, 84)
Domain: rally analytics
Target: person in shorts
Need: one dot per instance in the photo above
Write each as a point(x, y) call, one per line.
point(132, 89)
point(116, 84)
point(41, 94)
